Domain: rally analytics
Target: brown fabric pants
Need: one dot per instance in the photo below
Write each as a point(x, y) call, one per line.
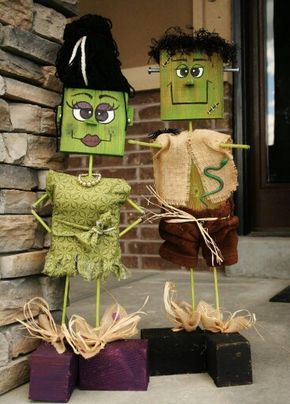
point(183, 240)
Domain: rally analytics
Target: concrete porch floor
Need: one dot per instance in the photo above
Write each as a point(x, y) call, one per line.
point(270, 358)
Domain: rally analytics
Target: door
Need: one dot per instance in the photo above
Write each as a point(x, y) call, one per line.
point(265, 67)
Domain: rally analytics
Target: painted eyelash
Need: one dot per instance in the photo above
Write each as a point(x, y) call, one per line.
point(70, 106)
point(112, 107)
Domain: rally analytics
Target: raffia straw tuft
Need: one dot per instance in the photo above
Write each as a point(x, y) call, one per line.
point(212, 319)
point(180, 313)
point(44, 327)
point(116, 324)
point(175, 215)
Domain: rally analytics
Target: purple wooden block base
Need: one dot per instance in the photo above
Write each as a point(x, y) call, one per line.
point(52, 376)
point(121, 365)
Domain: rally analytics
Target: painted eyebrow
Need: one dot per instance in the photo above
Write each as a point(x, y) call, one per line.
point(199, 59)
point(109, 96)
point(179, 60)
point(87, 94)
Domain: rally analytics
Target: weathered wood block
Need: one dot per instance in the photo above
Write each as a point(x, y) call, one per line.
point(53, 376)
point(228, 358)
point(121, 365)
point(173, 353)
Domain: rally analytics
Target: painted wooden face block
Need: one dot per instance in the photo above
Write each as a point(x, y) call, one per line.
point(191, 86)
point(94, 121)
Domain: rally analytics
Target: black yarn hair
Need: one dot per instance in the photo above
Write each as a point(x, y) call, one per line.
point(175, 40)
point(156, 133)
point(103, 68)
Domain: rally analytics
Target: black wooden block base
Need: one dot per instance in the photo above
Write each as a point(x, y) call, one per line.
point(228, 358)
point(282, 297)
point(52, 376)
point(173, 353)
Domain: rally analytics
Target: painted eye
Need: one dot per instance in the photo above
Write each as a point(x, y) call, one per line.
point(182, 71)
point(82, 110)
point(196, 71)
point(105, 113)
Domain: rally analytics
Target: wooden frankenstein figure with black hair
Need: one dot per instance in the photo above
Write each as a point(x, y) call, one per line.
point(92, 120)
point(194, 173)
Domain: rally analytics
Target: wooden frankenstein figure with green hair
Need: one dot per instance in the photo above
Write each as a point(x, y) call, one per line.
point(194, 170)
point(92, 120)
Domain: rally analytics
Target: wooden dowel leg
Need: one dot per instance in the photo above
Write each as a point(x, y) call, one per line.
point(216, 288)
point(192, 284)
point(65, 298)
point(98, 301)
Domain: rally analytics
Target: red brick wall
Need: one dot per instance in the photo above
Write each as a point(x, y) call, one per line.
point(140, 246)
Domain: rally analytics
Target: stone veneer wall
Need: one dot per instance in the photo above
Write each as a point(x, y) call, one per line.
point(140, 246)
point(30, 36)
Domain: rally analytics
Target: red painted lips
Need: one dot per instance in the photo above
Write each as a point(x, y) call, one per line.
point(91, 140)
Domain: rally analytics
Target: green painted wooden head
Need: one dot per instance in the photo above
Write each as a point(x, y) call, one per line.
point(94, 121)
point(191, 86)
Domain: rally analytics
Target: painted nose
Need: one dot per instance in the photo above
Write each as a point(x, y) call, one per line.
point(92, 121)
point(189, 83)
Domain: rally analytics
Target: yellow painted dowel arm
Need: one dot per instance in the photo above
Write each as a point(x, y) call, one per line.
point(158, 145)
point(37, 217)
point(130, 227)
point(146, 144)
point(234, 146)
point(41, 221)
point(39, 200)
point(135, 206)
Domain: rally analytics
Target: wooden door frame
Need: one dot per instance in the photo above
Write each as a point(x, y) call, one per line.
point(250, 125)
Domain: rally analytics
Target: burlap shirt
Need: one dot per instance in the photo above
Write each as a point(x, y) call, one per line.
point(172, 165)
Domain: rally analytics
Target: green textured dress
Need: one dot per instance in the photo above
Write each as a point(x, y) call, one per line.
point(85, 227)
